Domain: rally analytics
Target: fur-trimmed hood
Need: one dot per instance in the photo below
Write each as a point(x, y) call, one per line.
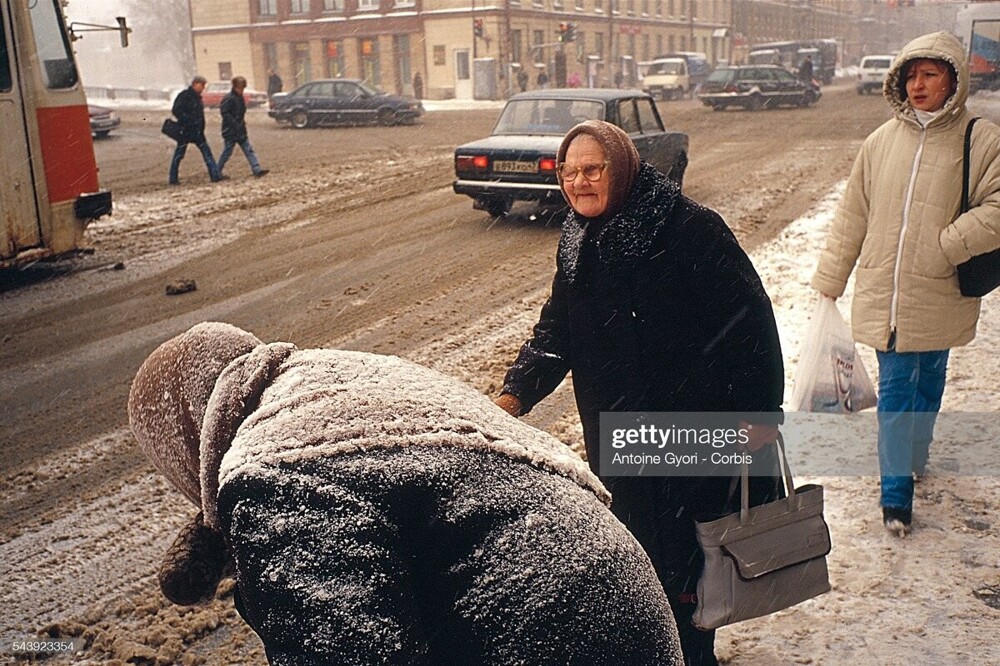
point(939, 46)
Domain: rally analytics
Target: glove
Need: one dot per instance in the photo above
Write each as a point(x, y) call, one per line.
point(509, 403)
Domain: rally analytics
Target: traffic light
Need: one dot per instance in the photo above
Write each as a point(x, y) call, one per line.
point(567, 32)
point(477, 27)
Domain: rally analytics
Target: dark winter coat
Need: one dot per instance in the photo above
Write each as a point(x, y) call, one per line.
point(274, 84)
point(658, 309)
point(234, 110)
point(190, 113)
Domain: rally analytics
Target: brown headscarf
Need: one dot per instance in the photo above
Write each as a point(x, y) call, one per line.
point(622, 156)
point(169, 395)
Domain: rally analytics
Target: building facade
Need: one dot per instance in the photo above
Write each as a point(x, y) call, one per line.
point(477, 48)
point(460, 48)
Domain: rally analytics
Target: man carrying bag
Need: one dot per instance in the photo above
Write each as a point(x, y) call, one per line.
point(190, 113)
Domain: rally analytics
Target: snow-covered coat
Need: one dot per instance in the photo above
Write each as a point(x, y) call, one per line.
point(381, 512)
point(899, 219)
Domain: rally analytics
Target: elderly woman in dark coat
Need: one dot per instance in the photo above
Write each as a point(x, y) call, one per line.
point(377, 512)
point(654, 307)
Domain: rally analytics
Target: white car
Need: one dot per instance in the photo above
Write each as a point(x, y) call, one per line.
point(872, 71)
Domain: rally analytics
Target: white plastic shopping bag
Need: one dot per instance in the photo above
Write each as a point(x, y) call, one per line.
point(830, 376)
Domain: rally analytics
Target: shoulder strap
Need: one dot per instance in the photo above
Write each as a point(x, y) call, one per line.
point(965, 164)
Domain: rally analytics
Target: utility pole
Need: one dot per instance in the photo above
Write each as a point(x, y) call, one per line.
point(691, 12)
point(611, 41)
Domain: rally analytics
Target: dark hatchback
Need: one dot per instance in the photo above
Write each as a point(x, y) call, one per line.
point(755, 87)
point(517, 162)
point(342, 102)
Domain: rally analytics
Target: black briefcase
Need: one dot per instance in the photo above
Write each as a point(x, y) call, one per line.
point(173, 129)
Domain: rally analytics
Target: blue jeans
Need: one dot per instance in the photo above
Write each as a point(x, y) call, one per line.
point(227, 151)
point(206, 153)
point(910, 386)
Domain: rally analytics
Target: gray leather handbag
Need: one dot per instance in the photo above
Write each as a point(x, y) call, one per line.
point(764, 558)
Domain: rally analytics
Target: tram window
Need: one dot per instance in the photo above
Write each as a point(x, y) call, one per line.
point(59, 70)
point(5, 80)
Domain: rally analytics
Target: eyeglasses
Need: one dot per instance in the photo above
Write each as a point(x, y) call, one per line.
point(591, 172)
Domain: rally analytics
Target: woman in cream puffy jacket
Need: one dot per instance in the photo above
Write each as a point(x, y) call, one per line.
point(899, 223)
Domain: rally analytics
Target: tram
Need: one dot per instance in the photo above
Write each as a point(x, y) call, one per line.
point(49, 191)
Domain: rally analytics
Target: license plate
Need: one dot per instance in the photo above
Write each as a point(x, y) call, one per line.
point(512, 166)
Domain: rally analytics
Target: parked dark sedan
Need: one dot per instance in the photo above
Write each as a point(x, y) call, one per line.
point(102, 121)
point(755, 87)
point(342, 102)
point(517, 162)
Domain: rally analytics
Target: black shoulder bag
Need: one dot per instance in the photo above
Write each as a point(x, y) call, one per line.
point(981, 274)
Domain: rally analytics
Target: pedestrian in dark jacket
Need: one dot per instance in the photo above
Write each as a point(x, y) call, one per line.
point(377, 512)
point(274, 83)
point(806, 70)
point(190, 113)
point(654, 307)
point(234, 128)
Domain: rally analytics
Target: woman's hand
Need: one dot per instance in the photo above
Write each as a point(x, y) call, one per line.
point(759, 435)
point(509, 403)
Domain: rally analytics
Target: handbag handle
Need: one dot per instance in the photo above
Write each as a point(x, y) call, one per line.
point(965, 165)
point(786, 472)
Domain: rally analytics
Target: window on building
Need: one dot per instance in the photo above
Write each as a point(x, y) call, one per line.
point(367, 4)
point(579, 5)
point(670, 7)
point(599, 44)
point(645, 7)
point(401, 52)
point(300, 6)
point(670, 43)
point(271, 56)
point(439, 55)
point(645, 47)
point(538, 53)
point(659, 44)
point(658, 7)
point(335, 59)
point(616, 6)
point(225, 71)
point(301, 63)
point(333, 5)
point(630, 7)
point(371, 68)
point(462, 70)
point(406, 3)
point(694, 9)
point(268, 7)
point(516, 46)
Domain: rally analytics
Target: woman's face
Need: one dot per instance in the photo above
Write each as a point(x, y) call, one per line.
point(929, 84)
point(588, 198)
